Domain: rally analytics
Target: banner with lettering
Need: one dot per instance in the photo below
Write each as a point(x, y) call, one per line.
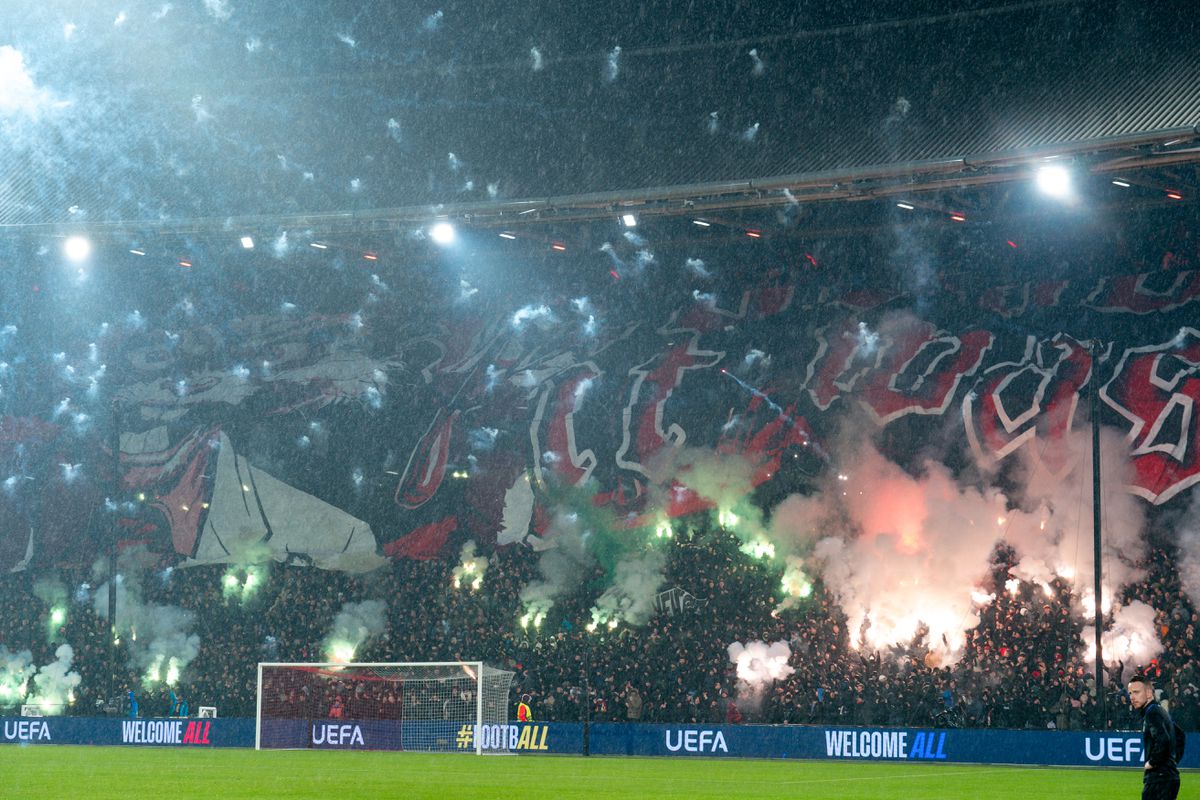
point(333, 442)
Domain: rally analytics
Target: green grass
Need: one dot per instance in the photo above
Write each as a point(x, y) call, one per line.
point(128, 773)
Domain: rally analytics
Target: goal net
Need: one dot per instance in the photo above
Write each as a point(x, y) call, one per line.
point(429, 707)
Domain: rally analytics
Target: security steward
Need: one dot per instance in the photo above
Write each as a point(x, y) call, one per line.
point(524, 713)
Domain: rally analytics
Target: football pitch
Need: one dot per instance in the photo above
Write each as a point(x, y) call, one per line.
point(126, 773)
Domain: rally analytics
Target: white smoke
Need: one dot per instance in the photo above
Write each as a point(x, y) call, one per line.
point(758, 666)
point(1131, 640)
point(54, 684)
point(469, 572)
point(434, 20)
point(1189, 550)
point(562, 564)
point(19, 95)
point(630, 597)
point(50, 591)
point(714, 123)
point(796, 585)
point(751, 133)
point(537, 63)
point(16, 668)
point(905, 556)
point(354, 626)
point(158, 637)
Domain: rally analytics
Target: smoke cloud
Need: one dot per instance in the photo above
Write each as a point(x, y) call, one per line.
point(354, 626)
point(905, 555)
point(54, 684)
point(758, 666)
point(1189, 550)
point(158, 637)
point(630, 597)
point(563, 563)
point(468, 574)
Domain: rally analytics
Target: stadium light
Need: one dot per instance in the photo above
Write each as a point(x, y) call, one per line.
point(77, 248)
point(442, 233)
point(630, 220)
point(248, 242)
point(1054, 180)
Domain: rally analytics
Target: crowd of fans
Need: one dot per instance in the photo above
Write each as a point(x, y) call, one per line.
point(1022, 667)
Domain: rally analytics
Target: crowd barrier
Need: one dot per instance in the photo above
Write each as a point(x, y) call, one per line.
point(953, 746)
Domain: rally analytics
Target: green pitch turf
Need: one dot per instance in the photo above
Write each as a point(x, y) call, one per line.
point(127, 773)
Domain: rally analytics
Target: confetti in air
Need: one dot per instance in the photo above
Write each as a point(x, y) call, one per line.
point(219, 9)
point(198, 109)
point(612, 64)
point(696, 267)
point(759, 66)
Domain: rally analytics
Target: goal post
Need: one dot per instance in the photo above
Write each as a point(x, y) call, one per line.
point(436, 706)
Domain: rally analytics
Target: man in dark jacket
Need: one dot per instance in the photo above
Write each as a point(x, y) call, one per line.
point(1161, 776)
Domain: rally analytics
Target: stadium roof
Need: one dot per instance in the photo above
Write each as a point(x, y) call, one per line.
point(185, 118)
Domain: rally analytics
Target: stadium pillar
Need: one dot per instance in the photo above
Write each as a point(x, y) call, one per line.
point(115, 443)
point(1094, 392)
point(587, 698)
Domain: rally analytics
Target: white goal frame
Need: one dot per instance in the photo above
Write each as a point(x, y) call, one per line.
point(479, 668)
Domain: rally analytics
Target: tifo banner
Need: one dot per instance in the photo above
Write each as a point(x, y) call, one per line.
point(115, 731)
point(461, 420)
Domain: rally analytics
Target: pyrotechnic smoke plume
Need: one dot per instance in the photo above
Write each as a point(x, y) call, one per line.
point(563, 562)
point(468, 574)
point(759, 664)
point(630, 597)
point(158, 637)
point(354, 626)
